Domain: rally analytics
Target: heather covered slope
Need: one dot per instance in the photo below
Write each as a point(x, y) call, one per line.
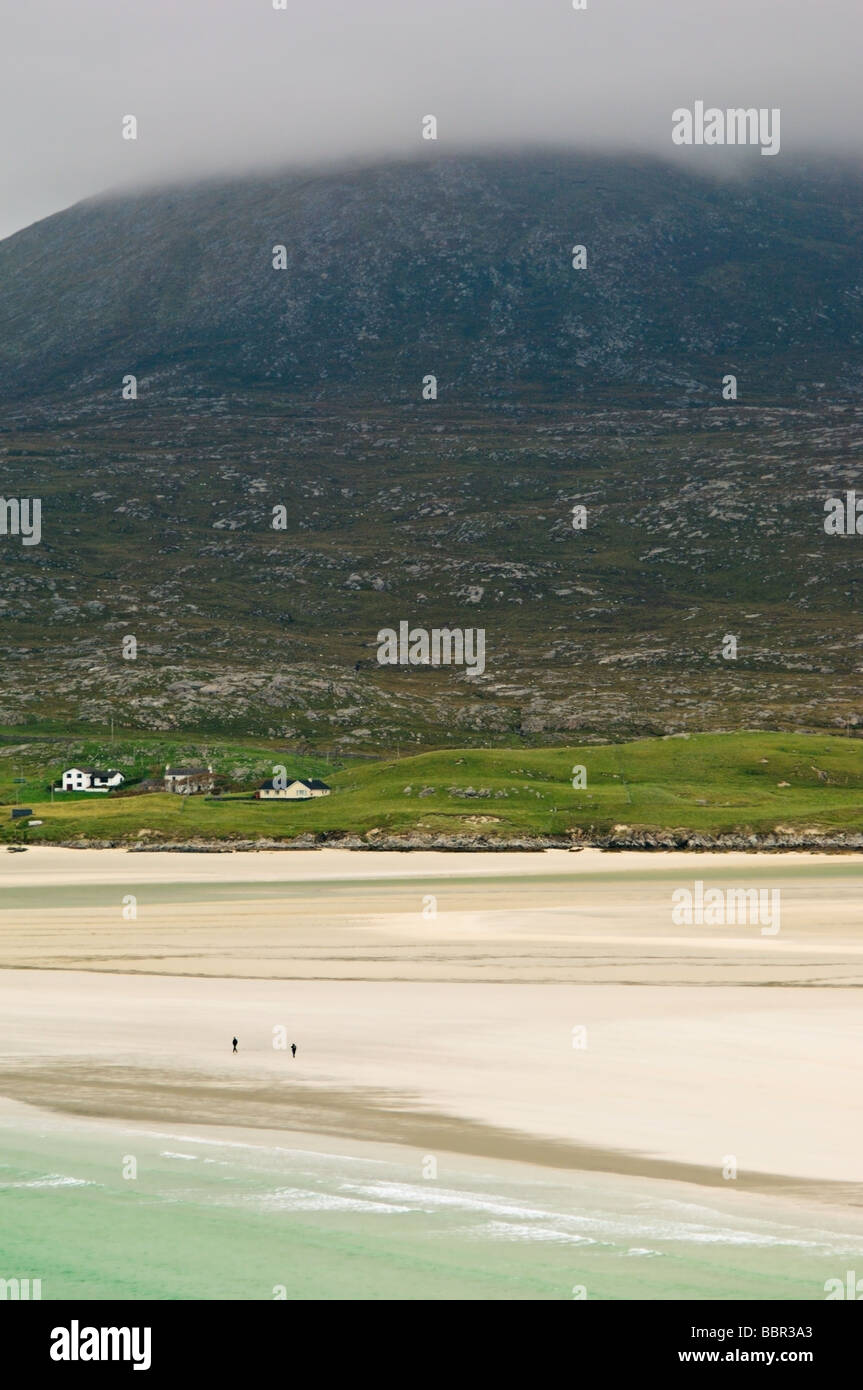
point(157, 523)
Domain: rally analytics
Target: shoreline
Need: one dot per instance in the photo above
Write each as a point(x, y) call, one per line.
point(318, 1216)
point(486, 1069)
point(643, 842)
point(478, 1151)
point(46, 864)
point(341, 1118)
point(547, 1009)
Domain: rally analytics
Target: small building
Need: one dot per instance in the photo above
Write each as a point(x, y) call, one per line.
point(295, 789)
point(189, 781)
point(91, 779)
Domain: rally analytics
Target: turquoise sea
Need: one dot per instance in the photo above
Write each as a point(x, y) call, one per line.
point(252, 1217)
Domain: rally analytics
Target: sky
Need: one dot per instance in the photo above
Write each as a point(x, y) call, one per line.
point(223, 86)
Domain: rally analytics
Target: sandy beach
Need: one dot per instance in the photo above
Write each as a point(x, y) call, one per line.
point(539, 1007)
point(516, 1075)
point(47, 864)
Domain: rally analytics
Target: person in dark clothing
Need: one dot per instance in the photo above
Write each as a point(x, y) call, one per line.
point(235, 1044)
point(293, 1049)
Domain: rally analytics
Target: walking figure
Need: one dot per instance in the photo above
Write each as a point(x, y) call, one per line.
point(293, 1049)
point(235, 1044)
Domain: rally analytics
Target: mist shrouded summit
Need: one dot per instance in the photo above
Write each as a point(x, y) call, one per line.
point(220, 88)
point(462, 268)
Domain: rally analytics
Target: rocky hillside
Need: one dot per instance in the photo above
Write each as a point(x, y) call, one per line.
point(458, 267)
point(301, 389)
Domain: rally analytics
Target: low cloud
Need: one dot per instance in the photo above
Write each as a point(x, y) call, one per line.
point(236, 85)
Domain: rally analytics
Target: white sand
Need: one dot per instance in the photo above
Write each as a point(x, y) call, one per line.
point(456, 1030)
point(684, 1074)
point(46, 864)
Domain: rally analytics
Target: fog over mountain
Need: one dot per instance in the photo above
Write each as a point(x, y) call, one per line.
point(228, 86)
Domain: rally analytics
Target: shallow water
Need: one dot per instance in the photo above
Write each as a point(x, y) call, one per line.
point(210, 1218)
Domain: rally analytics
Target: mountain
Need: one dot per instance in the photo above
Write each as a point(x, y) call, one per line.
point(301, 389)
point(457, 267)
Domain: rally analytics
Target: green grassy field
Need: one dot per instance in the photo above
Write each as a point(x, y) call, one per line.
point(707, 783)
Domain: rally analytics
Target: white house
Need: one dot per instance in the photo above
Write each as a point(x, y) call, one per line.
point(91, 779)
point(297, 789)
